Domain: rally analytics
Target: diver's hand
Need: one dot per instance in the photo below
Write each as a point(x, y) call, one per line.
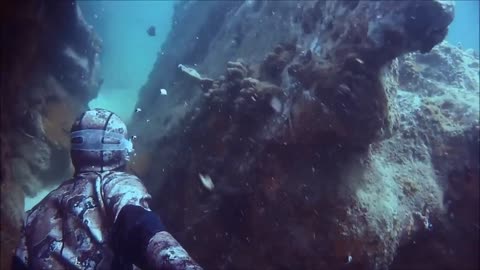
point(164, 252)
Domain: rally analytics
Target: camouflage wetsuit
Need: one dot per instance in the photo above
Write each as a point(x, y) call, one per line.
point(70, 228)
point(100, 219)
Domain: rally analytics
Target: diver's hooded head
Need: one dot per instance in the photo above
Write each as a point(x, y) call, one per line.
point(99, 142)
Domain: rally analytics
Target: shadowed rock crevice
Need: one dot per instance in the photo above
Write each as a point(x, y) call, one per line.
point(49, 74)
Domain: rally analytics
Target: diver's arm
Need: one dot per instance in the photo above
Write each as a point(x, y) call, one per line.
point(18, 264)
point(138, 235)
point(164, 252)
point(142, 240)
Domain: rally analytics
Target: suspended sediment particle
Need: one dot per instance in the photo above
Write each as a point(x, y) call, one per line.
point(359, 60)
point(206, 181)
point(276, 104)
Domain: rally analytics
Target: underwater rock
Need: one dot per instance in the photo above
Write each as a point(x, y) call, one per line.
point(317, 138)
point(43, 103)
point(276, 61)
point(51, 62)
point(236, 70)
point(23, 175)
point(441, 110)
point(38, 159)
point(12, 206)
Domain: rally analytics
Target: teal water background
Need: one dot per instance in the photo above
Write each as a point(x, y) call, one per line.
point(128, 51)
point(465, 27)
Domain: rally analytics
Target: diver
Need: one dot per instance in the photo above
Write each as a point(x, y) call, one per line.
point(99, 219)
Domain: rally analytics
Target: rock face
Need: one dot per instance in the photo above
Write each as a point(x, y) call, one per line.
point(328, 143)
point(49, 74)
point(439, 100)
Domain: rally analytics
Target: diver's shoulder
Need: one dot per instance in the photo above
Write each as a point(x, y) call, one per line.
point(117, 174)
point(116, 177)
point(57, 194)
point(45, 206)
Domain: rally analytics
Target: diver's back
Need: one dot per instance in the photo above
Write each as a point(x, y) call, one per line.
point(69, 228)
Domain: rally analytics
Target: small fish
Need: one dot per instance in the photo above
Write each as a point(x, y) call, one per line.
point(138, 110)
point(163, 92)
point(206, 181)
point(359, 60)
point(151, 31)
point(190, 71)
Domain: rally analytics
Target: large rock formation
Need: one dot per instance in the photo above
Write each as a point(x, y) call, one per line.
point(439, 106)
point(49, 74)
point(316, 147)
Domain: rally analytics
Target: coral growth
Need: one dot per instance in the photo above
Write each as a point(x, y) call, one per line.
point(276, 61)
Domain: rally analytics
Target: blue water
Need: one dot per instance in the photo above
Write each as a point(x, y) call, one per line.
point(465, 27)
point(128, 52)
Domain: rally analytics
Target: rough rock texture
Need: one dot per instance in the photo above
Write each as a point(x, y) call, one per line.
point(49, 73)
point(439, 97)
point(325, 151)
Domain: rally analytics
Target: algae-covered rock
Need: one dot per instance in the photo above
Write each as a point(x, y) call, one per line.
point(320, 130)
